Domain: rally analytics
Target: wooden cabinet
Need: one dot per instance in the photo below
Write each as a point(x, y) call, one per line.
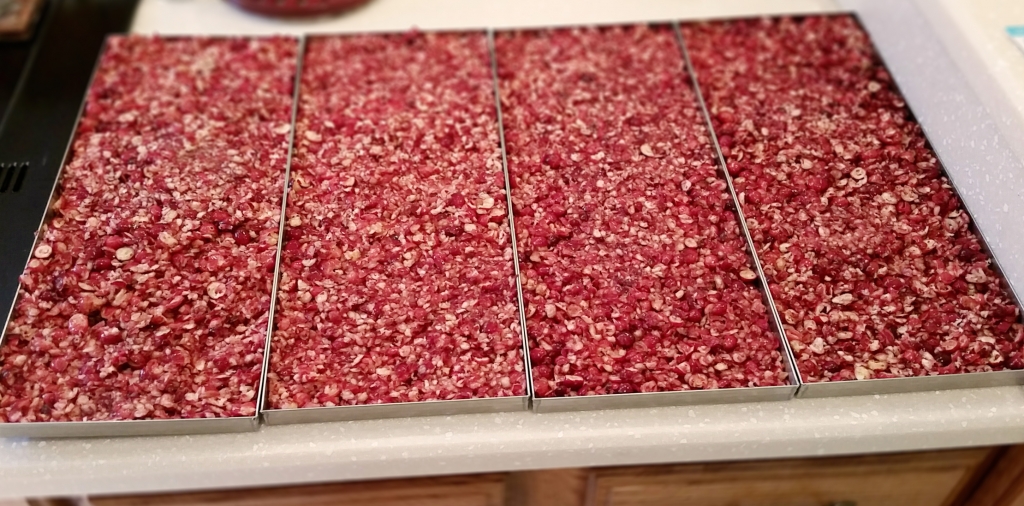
point(1003, 485)
point(932, 479)
point(479, 490)
point(975, 477)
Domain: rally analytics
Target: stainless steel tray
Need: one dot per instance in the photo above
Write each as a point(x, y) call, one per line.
point(683, 397)
point(915, 383)
point(407, 409)
point(114, 428)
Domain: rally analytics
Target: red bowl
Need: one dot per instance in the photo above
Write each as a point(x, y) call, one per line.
point(297, 8)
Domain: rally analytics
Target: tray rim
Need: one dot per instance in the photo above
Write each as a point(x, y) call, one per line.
point(907, 384)
point(287, 416)
point(129, 428)
point(664, 399)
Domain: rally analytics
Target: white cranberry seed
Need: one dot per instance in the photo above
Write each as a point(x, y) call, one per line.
point(43, 251)
point(124, 254)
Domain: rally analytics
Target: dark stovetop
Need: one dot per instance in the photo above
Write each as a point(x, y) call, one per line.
point(42, 83)
point(13, 57)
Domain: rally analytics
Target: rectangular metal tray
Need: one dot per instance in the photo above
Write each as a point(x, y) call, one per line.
point(915, 383)
point(684, 397)
point(115, 428)
point(540, 405)
point(405, 409)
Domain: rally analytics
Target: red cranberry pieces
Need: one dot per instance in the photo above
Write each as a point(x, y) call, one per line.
point(630, 250)
point(866, 247)
point(140, 301)
point(397, 278)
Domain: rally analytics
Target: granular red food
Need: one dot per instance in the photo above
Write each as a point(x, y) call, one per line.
point(148, 293)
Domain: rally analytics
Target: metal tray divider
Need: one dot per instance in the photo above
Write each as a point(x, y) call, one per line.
point(511, 219)
point(776, 321)
point(1005, 377)
point(261, 399)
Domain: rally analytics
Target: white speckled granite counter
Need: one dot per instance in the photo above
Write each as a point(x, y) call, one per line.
point(981, 161)
point(482, 443)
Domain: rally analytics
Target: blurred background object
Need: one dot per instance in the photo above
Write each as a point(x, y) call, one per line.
point(17, 18)
point(297, 8)
point(17, 30)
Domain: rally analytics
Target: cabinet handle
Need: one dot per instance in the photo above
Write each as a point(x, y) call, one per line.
point(843, 503)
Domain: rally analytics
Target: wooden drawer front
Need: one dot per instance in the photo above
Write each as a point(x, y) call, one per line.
point(485, 490)
point(930, 479)
point(1003, 485)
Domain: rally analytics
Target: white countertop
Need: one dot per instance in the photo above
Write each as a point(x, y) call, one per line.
point(511, 441)
point(978, 41)
point(514, 441)
point(217, 17)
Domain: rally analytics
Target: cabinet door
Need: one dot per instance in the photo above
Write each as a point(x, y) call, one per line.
point(1003, 485)
point(924, 479)
point(482, 490)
